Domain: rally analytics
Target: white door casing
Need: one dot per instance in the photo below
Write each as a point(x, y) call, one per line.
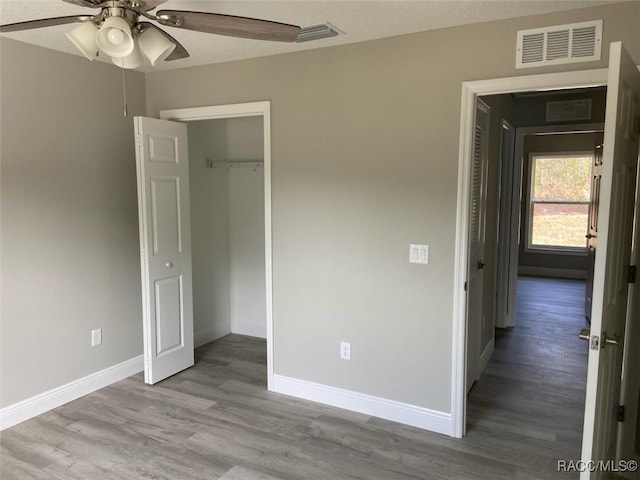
point(477, 230)
point(507, 148)
point(470, 91)
point(609, 312)
point(165, 246)
point(251, 109)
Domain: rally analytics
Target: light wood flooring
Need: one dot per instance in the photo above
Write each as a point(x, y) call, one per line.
point(217, 421)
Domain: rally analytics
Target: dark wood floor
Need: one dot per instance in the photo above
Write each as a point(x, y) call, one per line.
point(532, 392)
point(217, 421)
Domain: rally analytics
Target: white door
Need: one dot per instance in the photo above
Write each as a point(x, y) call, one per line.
point(610, 283)
point(478, 211)
point(629, 431)
point(165, 246)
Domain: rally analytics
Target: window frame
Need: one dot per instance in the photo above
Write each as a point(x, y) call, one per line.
point(551, 249)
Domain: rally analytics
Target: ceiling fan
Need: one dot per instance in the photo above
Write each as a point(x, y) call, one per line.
point(117, 31)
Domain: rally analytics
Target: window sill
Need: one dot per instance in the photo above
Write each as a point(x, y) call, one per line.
point(575, 251)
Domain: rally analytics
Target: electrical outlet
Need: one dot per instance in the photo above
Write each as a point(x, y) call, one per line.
point(345, 350)
point(96, 337)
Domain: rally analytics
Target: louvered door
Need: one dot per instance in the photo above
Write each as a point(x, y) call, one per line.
point(477, 227)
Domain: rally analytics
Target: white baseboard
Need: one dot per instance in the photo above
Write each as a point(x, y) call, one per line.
point(34, 406)
point(210, 334)
point(405, 413)
point(250, 329)
point(552, 272)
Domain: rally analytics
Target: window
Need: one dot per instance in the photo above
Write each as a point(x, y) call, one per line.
point(560, 192)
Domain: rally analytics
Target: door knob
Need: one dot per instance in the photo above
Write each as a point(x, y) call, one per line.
point(594, 341)
point(168, 264)
point(585, 334)
point(481, 265)
point(613, 340)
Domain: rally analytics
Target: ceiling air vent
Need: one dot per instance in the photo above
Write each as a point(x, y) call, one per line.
point(316, 32)
point(569, 110)
point(577, 42)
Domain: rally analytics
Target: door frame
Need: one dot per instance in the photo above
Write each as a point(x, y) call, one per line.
point(471, 90)
point(237, 110)
point(505, 227)
point(516, 199)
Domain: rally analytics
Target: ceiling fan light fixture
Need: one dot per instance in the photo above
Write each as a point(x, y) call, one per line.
point(115, 38)
point(155, 46)
point(84, 38)
point(133, 60)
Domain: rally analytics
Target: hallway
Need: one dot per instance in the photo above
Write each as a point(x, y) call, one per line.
point(530, 399)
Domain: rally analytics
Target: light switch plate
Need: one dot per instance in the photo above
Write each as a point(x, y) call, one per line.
point(419, 254)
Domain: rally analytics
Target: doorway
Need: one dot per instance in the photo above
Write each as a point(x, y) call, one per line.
point(226, 180)
point(472, 90)
point(231, 205)
point(534, 384)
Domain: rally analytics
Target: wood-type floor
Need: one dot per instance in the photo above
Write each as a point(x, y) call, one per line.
point(217, 421)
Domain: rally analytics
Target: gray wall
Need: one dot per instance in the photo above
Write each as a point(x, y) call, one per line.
point(70, 251)
point(246, 228)
point(365, 154)
point(531, 110)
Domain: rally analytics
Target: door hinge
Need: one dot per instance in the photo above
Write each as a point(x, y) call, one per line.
point(621, 413)
point(631, 274)
point(465, 286)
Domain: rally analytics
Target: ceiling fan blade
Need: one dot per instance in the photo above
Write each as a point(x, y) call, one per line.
point(85, 3)
point(229, 25)
point(178, 52)
point(44, 22)
point(147, 5)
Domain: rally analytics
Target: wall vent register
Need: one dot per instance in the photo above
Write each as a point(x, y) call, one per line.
point(572, 43)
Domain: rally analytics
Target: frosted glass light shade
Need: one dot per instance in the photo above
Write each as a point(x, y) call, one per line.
point(155, 46)
point(133, 60)
point(84, 38)
point(114, 38)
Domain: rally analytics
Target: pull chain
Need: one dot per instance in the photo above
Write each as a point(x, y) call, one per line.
point(124, 93)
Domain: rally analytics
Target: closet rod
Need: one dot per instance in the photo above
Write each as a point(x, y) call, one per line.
point(228, 163)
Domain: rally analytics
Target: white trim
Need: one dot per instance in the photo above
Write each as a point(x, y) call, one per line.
point(206, 335)
point(550, 81)
point(252, 109)
point(34, 406)
point(552, 272)
point(507, 153)
point(249, 329)
point(404, 413)
point(235, 110)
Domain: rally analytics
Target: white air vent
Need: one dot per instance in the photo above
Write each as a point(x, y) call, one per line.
point(317, 32)
point(578, 42)
point(569, 110)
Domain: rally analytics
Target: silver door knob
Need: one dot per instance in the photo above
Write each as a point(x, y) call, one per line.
point(168, 264)
point(594, 341)
point(585, 334)
point(610, 340)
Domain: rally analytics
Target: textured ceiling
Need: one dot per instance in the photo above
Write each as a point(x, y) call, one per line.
point(360, 20)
